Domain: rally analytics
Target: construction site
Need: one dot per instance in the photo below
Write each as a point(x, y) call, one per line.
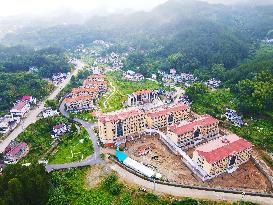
point(151, 152)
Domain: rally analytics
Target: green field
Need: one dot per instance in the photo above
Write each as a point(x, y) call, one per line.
point(123, 88)
point(72, 150)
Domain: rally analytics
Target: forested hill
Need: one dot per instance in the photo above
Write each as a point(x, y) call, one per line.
point(203, 33)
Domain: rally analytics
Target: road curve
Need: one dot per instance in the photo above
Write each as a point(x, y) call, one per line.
point(32, 114)
point(91, 160)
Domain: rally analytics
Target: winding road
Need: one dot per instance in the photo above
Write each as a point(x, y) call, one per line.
point(91, 160)
point(33, 113)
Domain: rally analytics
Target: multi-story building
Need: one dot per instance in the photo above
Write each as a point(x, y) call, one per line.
point(167, 115)
point(79, 103)
point(115, 127)
point(97, 77)
point(85, 92)
point(141, 97)
point(20, 109)
point(189, 134)
point(224, 154)
point(101, 85)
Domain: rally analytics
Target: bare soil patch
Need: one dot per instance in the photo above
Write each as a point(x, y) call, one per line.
point(152, 153)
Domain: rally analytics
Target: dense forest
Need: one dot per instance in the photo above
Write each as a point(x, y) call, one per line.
point(15, 78)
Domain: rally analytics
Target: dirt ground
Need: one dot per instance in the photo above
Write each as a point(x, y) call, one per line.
point(96, 174)
point(158, 157)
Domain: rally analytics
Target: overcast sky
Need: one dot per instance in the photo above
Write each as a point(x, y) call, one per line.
point(15, 7)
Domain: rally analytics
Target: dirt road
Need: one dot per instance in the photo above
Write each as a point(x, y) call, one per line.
point(32, 114)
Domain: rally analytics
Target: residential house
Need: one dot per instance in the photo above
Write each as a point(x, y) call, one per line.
point(141, 97)
point(79, 103)
point(16, 153)
point(20, 109)
point(189, 134)
point(94, 92)
point(115, 127)
point(222, 155)
point(59, 130)
point(166, 115)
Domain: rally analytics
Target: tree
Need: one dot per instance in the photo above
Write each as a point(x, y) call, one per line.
point(22, 185)
point(196, 90)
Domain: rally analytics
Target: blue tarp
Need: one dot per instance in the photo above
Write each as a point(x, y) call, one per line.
point(121, 156)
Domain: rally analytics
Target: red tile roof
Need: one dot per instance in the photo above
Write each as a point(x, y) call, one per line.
point(26, 98)
point(120, 115)
point(221, 148)
point(58, 126)
point(20, 105)
point(79, 98)
point(79, 90)
point(17, 149)
point(97, 76)
point(140, 92)
point(166, 110)
point(205, 120)
point(90, 82)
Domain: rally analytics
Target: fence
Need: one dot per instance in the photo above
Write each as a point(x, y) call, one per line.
point(189, 186)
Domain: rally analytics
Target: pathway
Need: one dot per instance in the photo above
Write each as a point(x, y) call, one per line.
point(32, 114)
point(112, 93)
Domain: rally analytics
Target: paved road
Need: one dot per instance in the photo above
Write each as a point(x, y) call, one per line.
point(91, 160)
point(32, 115)
point(186, 192)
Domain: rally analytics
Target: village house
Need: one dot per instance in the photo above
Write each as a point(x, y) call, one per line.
point(224, 154)
point(101, 85)
point(189, 134)
point(48, 112)
point(8, 123)
point(94, 92)
point(115, 127)
point(58, 78)
point(97, 77)
point(59, 130)
point(20, 109)
point(79, 103)
point(16, 153)
point(29, 99)
point(166, 115)
point(141, 97)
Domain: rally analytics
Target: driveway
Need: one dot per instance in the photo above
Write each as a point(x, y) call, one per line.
point(32, 114)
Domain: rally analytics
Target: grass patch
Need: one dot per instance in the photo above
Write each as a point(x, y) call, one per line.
point(123, 88)
point(68, 187)
point(71, 144)
point(85, 115)
point(38, 137)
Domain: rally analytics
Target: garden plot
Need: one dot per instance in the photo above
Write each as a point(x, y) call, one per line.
point(152, 153)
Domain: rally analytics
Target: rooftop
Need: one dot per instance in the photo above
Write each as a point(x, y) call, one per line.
point(59, 126)
point(90, 82)
point(26, 98)
point(20, 105)
point(97, 76)
point(140, 92)
point(79, 90)
point(205, 120)
point(17, 149)
point(79, 98)
point(166, 110)
point(120, 115)
point(223, 147)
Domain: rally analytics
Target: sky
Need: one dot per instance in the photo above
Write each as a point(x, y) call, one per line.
point(18, 7)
